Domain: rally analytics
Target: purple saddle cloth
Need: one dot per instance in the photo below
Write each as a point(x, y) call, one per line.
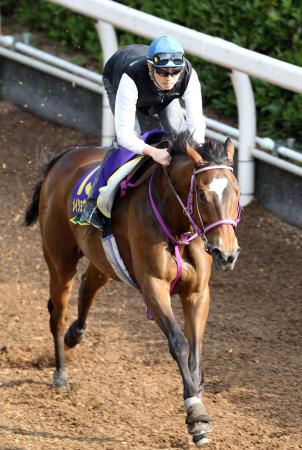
point(115, 160)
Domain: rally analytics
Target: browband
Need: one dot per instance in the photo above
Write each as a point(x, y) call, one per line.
point(202, 169)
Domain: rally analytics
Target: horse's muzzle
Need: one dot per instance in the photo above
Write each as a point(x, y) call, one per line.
point(222, 260)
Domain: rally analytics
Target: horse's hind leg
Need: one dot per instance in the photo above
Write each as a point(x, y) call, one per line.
point(61, 281)
point(92, 280)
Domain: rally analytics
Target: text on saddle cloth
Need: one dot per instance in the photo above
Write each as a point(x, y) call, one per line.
point(116, 168)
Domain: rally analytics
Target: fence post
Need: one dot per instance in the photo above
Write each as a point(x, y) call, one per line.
point(247, 134)
point(109, 46)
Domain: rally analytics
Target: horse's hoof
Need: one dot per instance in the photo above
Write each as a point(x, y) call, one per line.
point(199, 428)
point(74, 335)
point(200, 440)
point(197, 420)
point(60, 380)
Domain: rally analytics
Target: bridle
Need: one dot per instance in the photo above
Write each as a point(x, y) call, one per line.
point(201, 230)
point(188, 208)
point(193, 189)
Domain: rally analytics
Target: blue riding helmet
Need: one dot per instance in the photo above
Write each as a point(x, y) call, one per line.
point(165, 52)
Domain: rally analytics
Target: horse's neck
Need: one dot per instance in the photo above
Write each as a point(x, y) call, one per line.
point(169, 207)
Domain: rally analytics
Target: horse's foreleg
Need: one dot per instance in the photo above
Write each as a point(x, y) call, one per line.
point(60, 289)
point(92, 280)
point(196, 307)
point(157, 298)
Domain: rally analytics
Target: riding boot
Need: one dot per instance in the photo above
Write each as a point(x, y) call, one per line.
point(91, 213)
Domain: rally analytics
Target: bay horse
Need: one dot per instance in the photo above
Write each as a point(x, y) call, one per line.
point(196, 196)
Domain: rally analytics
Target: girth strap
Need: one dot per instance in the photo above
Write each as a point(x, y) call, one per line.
point(127, 183)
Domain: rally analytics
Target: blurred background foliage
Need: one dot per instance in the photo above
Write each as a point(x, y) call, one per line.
point(271, 27)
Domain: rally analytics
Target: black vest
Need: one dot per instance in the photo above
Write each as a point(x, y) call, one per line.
point(132, 60)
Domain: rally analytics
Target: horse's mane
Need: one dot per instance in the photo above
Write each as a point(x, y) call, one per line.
point(211, 150)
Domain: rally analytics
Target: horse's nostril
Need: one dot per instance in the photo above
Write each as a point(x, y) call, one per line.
point(222, 257)
point(218, 255)
point(216, 252)
point(230, 259)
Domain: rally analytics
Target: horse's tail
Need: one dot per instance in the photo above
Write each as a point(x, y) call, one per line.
point(32, 210)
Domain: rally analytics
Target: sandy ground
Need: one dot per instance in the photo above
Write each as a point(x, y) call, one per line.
point(126, 392)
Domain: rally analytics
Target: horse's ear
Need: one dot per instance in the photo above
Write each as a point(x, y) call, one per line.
point(229, 146)
point(197, 158)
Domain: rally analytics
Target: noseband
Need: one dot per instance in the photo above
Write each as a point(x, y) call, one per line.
point(188, 211)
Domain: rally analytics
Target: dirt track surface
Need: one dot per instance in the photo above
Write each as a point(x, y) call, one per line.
point(125, 389)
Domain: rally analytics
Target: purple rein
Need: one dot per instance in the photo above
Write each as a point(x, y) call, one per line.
point(188, 210)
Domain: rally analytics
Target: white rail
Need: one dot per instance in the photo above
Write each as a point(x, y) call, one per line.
point(280, 163)
point(54, 70)
point(12, 43)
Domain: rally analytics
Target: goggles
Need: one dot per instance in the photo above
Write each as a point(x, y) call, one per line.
point(163, 59)
point(168, 72)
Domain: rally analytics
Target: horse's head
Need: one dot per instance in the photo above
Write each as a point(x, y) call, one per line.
point(215, 204)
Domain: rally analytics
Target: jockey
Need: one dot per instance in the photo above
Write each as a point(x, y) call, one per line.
point(143, 85)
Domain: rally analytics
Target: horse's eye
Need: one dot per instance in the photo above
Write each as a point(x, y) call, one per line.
point(202, 196)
